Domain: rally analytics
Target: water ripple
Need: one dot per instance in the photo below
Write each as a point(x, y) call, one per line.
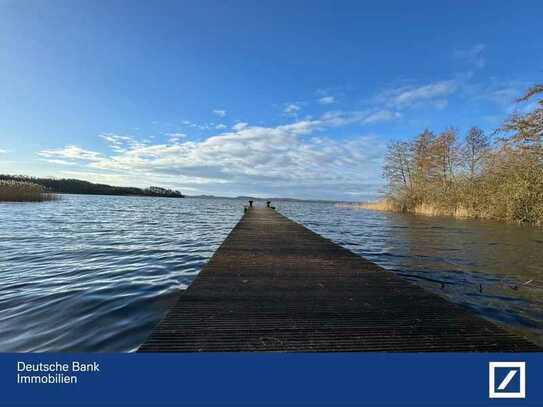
point(95, 273)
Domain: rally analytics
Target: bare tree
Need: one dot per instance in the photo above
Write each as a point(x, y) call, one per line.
point(398, 166)
point(445, 157)
point(527, 128)
point(504, 180)
point(475, 150)
point(421, 151)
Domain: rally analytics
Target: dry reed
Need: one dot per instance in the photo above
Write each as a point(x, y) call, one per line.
point(18, 191)
point(420, 209)
point(383, 205)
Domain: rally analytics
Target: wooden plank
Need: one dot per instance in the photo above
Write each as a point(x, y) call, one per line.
point(274, 285)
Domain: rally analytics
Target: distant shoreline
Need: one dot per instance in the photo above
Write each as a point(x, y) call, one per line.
point(72, 186)
point(80, 187)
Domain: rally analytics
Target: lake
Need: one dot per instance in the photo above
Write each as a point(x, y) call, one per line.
point(96, 273)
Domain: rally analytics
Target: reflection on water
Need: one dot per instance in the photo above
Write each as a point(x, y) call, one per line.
point(95, 273)
point(493, 268)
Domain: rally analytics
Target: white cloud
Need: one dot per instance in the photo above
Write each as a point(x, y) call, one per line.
point(74, 153)
point(408, 96)
point(60, 162)
point(2, 151)
point(473, 56)
point(502, 93)
point(219, 112)
point(239, 126)
point(289, 159)
point(342, 118)
point(201, 126)
point(220, 126)
point(327, 100)
point(117, 142)
point(440, 103)
point(381, 116)
point(291, 109)
point(175, 137)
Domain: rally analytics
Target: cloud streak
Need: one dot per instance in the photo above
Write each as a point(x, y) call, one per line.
point(59, 162)
point(291, 109)
point(219, 112)
point(409, 96)
point(73, 153)
point(473, 56)
point(327, 100)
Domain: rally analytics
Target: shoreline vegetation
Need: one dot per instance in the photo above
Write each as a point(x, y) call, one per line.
point(480, 177)
point(386, 205)
point(20, 191)
point(52, 186)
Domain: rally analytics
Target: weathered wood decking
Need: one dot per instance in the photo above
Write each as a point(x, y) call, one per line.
point(274, 285)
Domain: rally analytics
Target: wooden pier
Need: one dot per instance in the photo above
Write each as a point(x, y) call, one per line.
point(274, 285)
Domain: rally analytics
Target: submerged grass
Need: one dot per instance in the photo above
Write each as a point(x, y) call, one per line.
point(18, 191)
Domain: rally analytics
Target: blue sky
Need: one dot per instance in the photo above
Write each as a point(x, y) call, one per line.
point(295, 99)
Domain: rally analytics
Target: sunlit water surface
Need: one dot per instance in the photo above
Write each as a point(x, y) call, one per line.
point(96, 273)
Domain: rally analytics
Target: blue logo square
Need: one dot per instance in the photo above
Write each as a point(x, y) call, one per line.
point(507, 379)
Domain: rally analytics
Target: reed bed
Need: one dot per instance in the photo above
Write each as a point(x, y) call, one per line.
point(386, 205)
point(19, 191)
point(383, 205)
point(420, 209)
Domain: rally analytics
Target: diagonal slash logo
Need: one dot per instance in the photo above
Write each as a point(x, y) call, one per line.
point(507, 380)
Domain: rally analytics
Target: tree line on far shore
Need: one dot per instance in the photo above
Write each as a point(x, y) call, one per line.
point(479, 176)
point(75, 186)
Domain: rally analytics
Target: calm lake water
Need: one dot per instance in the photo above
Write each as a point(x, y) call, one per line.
point(95, 273)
